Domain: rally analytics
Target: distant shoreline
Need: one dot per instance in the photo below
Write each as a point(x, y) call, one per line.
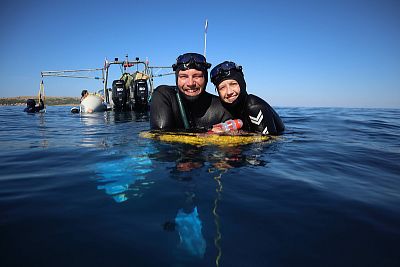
point(49, 100)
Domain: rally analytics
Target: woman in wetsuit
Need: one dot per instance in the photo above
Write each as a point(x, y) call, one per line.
point(257, 115)
point(187, 105)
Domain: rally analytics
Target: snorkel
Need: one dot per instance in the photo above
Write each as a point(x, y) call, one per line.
point(182, 109)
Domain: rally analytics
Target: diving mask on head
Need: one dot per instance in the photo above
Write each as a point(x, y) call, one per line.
point(191, 61)
point(223, 70)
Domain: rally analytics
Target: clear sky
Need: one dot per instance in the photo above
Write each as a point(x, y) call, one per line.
point(294, 52)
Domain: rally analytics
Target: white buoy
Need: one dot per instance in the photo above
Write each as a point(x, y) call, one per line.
point(92, 103)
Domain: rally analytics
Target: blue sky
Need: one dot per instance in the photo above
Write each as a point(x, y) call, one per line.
point(317, 53)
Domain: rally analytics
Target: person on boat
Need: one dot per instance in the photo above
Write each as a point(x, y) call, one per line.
point(256, 114)
point(84, 94)
point(31, 106)
point(187, 105)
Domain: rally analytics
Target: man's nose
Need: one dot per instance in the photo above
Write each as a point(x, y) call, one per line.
point(190, 81)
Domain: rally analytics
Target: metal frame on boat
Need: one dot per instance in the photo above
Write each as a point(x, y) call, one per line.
point(132, 91)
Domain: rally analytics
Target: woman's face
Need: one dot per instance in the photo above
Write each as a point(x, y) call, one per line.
point(229, 90)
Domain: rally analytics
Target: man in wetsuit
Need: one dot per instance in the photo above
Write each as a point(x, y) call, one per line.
point(257, 115)
point(187, 105)
point(31, 106)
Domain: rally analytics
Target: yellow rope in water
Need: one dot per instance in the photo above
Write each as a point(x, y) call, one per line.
point(218, 237)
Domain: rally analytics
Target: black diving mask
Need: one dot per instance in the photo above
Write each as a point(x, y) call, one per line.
point(223, 70)
point(191, 61)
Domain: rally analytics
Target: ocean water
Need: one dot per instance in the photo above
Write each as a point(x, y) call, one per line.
point(86, 190)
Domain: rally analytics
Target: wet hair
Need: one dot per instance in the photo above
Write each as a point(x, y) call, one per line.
point(31, 103)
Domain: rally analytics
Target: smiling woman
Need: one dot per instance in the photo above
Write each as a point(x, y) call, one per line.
point(229, 90)
point(257, 115)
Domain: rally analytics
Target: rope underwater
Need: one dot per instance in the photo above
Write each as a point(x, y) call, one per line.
point(218, 237)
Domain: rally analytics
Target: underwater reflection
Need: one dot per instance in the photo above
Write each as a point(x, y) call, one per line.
point(120, 176)
point(189, 228)
point(125, 178)
point(127, 116)
point(96, 135)
point(92, 128)
point(44, 140)
point(128, 177)
point(93, 120)
point(188, 158)
point(216, 162)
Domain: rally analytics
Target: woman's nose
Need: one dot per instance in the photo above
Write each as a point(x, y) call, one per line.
point(229, 90)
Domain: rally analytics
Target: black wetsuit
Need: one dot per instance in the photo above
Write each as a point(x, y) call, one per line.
point(201, 113)
point(258, 116)
point(32, 108)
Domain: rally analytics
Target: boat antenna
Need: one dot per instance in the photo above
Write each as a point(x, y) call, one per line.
point(126, 63)
point(205, 37)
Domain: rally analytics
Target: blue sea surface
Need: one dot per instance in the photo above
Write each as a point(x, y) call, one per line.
point(86, 190)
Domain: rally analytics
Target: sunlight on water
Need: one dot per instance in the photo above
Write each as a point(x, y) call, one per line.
point(126, 177)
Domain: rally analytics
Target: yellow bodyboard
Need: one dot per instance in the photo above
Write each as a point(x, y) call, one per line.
point(204, 139)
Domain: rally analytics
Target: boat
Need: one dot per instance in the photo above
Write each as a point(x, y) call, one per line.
point(132, 91)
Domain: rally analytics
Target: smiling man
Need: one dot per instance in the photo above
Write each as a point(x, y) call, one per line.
point(187, 105)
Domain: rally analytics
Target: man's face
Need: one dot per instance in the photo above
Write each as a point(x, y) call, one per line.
point(191, 82)
point(229, 90)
